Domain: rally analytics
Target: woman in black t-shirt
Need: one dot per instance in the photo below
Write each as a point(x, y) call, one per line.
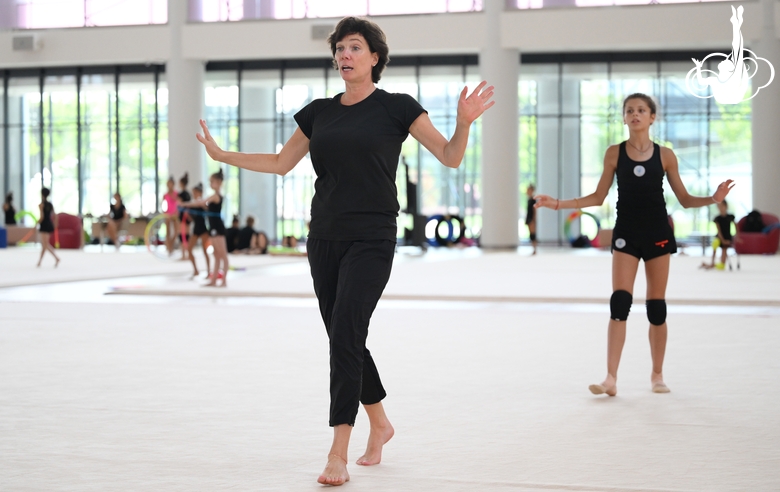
point(354, 140)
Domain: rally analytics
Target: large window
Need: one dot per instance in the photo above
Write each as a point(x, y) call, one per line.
point(86, 134)
point(580, 105)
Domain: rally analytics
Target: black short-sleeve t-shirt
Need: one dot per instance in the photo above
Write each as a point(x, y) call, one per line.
point(355, 150)
point(724, 221)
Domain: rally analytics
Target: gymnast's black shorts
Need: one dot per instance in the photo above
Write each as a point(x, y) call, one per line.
point(644, 244)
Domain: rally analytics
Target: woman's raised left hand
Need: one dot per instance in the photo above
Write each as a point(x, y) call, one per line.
point(472, 106)
point(723, 190)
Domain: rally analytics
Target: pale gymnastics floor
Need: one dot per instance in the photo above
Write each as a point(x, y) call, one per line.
point(487, 391)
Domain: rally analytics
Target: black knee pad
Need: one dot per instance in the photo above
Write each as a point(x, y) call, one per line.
point(656, 311)
point(620, 305)
point(533, 236)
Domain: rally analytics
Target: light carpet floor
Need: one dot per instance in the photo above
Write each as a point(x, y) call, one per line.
point(206, 395)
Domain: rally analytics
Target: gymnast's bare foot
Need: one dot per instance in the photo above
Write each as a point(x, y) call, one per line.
point(335, 472)
point(377, 438)
point(608, 387)
point(657, 380)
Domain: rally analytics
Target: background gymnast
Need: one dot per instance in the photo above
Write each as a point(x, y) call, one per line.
point(355, 142)
point(46, 226)
point(213, 206)
point(116, 216)
point(170, 207)
point(184, 222)
point(642, 231)
point(199, 229)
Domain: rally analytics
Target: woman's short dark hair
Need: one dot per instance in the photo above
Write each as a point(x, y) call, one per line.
point(9, 198)
point(377, 42)
point(45, 192)
point(644, 97)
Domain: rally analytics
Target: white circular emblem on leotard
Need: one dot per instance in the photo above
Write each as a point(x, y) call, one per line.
point(639, 171)
point(620, 243)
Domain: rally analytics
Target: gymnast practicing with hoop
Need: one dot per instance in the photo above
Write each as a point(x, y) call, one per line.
point(354, 140)
point(642, 231)
point(200, 231)
point(213, 205)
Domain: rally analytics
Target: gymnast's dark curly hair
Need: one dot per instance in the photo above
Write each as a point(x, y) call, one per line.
point(377, 42)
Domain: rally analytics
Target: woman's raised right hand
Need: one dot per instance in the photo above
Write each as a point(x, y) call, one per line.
point(212, 149)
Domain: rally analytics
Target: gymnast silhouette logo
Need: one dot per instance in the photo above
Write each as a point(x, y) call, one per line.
point(731, 83)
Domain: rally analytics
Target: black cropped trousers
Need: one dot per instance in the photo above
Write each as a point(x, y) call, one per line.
point(349, 278)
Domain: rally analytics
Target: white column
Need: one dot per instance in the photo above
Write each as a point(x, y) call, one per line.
point(500, 126)
point(766, 118)
point(258, 190)
point(185, 101)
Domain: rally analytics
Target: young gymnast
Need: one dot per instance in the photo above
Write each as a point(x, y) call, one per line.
point(116, 215)
point(46, 226)
point(170, 208)
point(9, 210)
point(213, 206)
point(530, 215)
point(642, 231)
point(354, 140)
point(183, 197)
point(199, 229)
point(723, 238)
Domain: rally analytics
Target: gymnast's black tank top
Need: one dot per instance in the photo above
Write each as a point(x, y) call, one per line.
point(216, 225)
point(641, 204)
point(46, 224)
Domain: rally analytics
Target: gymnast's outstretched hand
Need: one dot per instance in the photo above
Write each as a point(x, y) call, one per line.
point(472, 106)
point(723, 190)
point(212, 149)
point(545, 201)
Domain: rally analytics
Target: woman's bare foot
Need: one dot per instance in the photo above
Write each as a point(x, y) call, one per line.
point(57, 263)
point(608, 387)
point(657, 380)
point(377, 438)
point(335, 472)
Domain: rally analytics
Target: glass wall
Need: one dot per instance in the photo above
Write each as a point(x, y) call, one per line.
point(86, 134)
point(712, 141)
